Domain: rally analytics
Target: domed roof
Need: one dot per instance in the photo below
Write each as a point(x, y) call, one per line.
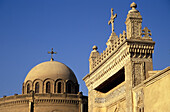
point(51, 70)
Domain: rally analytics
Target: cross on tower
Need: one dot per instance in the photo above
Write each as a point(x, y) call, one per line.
point(52, 52)
point(112, 18)
point(146, 33)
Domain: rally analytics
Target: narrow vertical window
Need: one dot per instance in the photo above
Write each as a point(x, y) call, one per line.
point(23, 89)
point(69, 88)
point(59, 87)
point(37, 87)
point(28, 88)
point(48, 87)
point(76, 89)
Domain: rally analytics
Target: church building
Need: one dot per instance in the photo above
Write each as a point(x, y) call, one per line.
point(49, 87)
point(121, 78)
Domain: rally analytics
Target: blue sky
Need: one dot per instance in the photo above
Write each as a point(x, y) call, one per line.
point(30, 28)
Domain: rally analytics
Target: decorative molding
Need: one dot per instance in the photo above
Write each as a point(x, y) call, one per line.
point(109, 50)
point(115, 64)
point(157, 76)
point(111, 95)
point(19, 102)
point(140, 101)
point(138, 73)
point(141, 50)
point(57, 101)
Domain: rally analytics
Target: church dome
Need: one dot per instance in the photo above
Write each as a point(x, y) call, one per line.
point(51, 77)
point(51, 70)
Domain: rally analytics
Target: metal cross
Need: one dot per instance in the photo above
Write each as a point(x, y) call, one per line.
point(112, 18)
point(52, 52)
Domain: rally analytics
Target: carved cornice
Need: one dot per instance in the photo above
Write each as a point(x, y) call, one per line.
point(109, 52)
point(57, 101)
point(19, 102)
point(141, 48)
point(137, 49)
point(42, 98)
point(115, 64)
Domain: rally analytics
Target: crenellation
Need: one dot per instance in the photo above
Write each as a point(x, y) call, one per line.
point(108, 51)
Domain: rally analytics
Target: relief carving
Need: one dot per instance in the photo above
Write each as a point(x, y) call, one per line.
point(139, 101)
point(138, 73)
point(112, 95)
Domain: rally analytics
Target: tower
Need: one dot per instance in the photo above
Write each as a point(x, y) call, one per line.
point(121, 67)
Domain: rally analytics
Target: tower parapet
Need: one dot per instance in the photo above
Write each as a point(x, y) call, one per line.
point(139, 42)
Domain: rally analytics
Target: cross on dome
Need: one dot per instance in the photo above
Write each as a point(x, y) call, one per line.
point(52, 52)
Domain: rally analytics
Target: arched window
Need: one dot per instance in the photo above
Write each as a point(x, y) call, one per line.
point(59, 87)
point(48, 87)
point(37, 87)
point(28, 88)
point(68, 88)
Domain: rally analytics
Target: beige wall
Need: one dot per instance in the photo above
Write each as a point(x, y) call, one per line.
point(56, 108)
point(157, 95)
point(117, 107)
point(15, 108)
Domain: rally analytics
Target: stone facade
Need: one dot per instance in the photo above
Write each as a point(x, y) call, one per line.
point(121, 79)
point(44, 103)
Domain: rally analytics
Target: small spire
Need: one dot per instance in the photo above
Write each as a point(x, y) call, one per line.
point(52, 52)
point(93, 55)
point(95, 47)
point(133, 6)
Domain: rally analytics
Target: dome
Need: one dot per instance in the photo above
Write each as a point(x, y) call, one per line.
point(51, 70)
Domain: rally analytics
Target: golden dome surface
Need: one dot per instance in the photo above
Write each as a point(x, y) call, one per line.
point(51, 70)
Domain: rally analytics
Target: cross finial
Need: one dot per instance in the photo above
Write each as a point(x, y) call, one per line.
point(52, 52)
point(146, 33)
point(112, 18)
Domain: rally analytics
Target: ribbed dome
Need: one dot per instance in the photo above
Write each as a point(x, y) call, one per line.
point(51, 70)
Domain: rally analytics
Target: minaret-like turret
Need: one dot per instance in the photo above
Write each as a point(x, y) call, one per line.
point(134, 23)
point(94, 54)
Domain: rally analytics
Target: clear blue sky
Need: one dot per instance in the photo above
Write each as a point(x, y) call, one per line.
point(30, 28)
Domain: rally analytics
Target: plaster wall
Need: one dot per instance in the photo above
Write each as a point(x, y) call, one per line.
point(156, 96)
